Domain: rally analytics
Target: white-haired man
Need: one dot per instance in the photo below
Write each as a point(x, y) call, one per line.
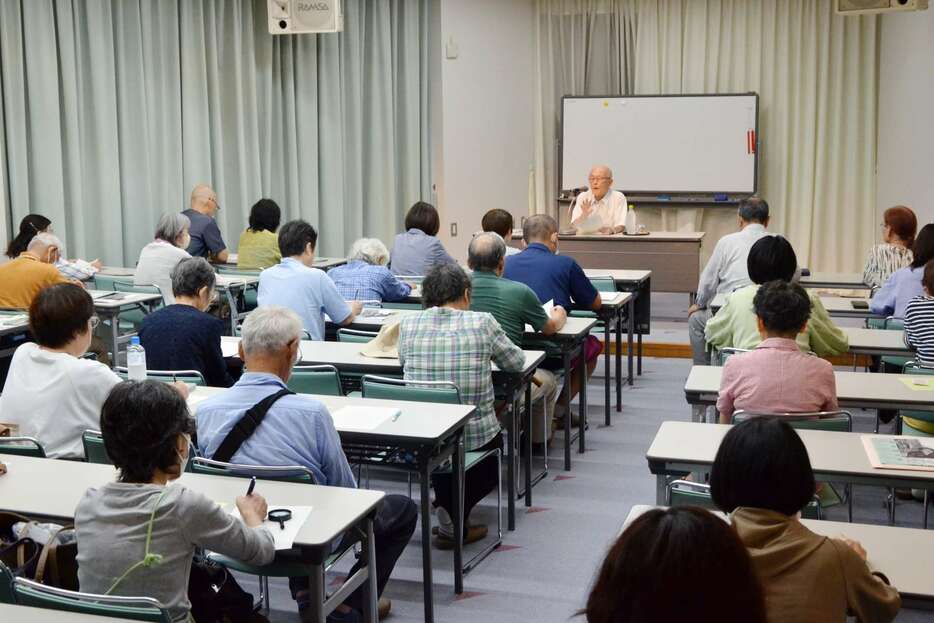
point(23, 278)
point(600, 209)
point(206, 239)
point(296, 430)
point(365, 276)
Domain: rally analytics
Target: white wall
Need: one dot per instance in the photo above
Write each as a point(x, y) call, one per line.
point(486, 98)
point(905, 165)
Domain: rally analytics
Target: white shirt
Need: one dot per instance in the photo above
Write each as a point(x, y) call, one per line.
point(55, 397)
point(157, 260)
point(608, 212)
point(726, 270)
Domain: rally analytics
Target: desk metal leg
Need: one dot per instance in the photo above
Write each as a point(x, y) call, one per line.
point(582, 399)
point(566, 357)
point(459, 519)
point(698, 413)
point(511, 459)
point(619, 359)
point(425, 503)
point(639, 368)
point(606, 367)
point(234, 312)
point(370, 615)
point(630, 326)
point(317, 595)
point(661, 484)
point(528, 444)
point(114, 339)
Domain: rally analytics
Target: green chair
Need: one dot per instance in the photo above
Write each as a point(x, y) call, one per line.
point(106, 282)
point(6, 585)
point(687, 493)
point(321, 379)
point(601, 284)
point(29, 593)
point(387, 388)
point(725, 353)
point(355, 336)
point(94, 451)
point(135, 315)
point(188, 376)
point(22, 446)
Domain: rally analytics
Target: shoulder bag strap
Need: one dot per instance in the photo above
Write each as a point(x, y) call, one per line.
point(246, 426)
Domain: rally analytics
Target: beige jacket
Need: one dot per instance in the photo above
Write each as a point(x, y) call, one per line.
point(807, 577)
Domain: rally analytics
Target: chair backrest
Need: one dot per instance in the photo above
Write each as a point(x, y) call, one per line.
point(106, 282)
point(401, 389)
point(322, 379)
point(287, 473)
point(837, 421)
point(687, 493)
point(603, 283)
point(725, 353)
point(6, 585)
point(29, 593)
point(22, 446)
point(94, 451)
point(915, 367)
point(355, 335)
point(188, 376)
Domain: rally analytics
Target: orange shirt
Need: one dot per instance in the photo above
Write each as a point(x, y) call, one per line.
point(23, 278)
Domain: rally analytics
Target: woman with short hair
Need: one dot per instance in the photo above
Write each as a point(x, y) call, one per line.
point(137, 536)
point(899, 225)
point(259, 244)
point(158, 259)
point(762, 476)
point(365, 277)
point(417, 249)
point(905, 283)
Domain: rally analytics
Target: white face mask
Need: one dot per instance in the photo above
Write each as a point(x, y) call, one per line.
point(183, 460)
point(298, 355)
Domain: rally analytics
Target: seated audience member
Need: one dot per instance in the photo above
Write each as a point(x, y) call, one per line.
point(259, 245)
point(726, 270)
point(32, 270)
point(735, 325)
point(50, 392)
point(919, 335)
point(206, 239)
point(365, 277)
point(138, 535)
point(448, 342)
point(158, 259)
point(514, 305)
point(556, 278)
point(297, 430)
point(500, 221)
point(418, 249)
point(905, 283)
point(776, 376)
point(762, 476)
point(307, 291)
point(676, 564)
point(899, 226)
point(182, 336)
point(33, 224)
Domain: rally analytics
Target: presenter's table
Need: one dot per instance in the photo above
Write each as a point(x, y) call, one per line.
point(52, 488)
point(672, 257)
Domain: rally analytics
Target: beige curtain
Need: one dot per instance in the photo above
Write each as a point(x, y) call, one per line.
point(817, 77)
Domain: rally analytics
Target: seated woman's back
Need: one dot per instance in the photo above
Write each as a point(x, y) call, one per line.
point(259, 244)
point(905, 283)
point(159, 258)
point(417, 249)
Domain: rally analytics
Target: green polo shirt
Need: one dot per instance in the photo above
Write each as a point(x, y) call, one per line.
point(511, 303)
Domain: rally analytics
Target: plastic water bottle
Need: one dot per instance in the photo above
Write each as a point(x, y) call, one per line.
point(135, 360)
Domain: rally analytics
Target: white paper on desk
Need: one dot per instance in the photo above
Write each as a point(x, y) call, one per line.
point(548, 307)
point(284, 536)
point(13, 320)
point(362, 418)
point(611, 297)
point(230, 347)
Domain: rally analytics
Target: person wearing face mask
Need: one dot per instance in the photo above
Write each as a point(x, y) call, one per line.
point(182, 336)
point(138, 535)
point(50, 392)
point(32, 270)
point(295, 430)
point(33, 224)
point(158, 259)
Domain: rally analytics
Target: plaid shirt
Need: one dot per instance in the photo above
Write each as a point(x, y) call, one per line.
point(359, 281)
point(443, 344)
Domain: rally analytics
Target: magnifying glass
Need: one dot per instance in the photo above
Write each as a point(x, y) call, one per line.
point(280, 516)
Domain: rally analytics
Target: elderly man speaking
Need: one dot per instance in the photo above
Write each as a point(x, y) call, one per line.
point(600, 209)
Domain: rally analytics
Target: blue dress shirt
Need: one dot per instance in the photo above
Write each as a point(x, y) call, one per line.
point(894, 295)
point(297, 430)
point(552, 277)
point(358, 281)
point(308, 292)
point(415, 253)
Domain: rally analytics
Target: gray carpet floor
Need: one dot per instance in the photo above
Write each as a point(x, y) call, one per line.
point(544, 570)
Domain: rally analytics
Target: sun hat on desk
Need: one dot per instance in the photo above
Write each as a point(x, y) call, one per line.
point(386, 343)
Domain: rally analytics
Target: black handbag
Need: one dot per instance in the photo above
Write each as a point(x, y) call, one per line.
point(216, 597)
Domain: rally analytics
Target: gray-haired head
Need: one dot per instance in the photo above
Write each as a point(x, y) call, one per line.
point(486, 251)
point(192, 274)
point(754, 210)
point(538, 228)
point(42, 241)
point(371, 251)
point(172, 225)
point(269, 330)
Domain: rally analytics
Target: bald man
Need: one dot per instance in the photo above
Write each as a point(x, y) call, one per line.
point(34, 269)
point(206, 239)
point(599, 210)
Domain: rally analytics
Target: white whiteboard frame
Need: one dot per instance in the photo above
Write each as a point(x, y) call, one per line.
point(676, 193)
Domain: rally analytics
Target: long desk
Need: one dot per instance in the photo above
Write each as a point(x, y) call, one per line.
point(673, 257)
point(346, 357)
point(842, 281)
point(14, 325)
point(431, 433)
point(53, 488)
point(639, 282)
point(108, 305)
point(324, 263)
point(681, 447)
point(877, 342)
point(903, 554)
point(837, 306)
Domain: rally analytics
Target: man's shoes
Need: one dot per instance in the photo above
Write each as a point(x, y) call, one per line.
point(474, 533)
point(383, 607)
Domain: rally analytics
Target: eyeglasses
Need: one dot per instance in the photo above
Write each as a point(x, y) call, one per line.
point(94, 321)
point(593, 178)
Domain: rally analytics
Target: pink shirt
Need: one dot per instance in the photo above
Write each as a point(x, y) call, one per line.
point(776, 377)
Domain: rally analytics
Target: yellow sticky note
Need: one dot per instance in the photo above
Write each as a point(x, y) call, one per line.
point(918, 384)
point(606, 104)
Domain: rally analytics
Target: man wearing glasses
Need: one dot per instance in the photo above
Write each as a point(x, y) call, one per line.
point(599, 209)
point(206, 239)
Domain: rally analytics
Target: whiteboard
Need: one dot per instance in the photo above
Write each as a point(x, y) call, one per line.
point(662, 144)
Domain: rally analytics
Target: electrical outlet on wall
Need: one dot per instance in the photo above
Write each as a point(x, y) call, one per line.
point(453, 230)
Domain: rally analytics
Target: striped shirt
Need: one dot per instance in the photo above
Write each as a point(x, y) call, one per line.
point(358, 281)
point(883, 260)
point(443, 344)
point(919, 328)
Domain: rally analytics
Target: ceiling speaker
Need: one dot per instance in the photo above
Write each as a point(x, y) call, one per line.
point(292, 17)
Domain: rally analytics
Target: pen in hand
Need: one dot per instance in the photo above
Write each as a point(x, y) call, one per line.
point(249, 490)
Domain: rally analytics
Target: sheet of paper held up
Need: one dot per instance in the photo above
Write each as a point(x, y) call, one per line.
point(362, 418)
point(283, 535)
point(548, 307)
